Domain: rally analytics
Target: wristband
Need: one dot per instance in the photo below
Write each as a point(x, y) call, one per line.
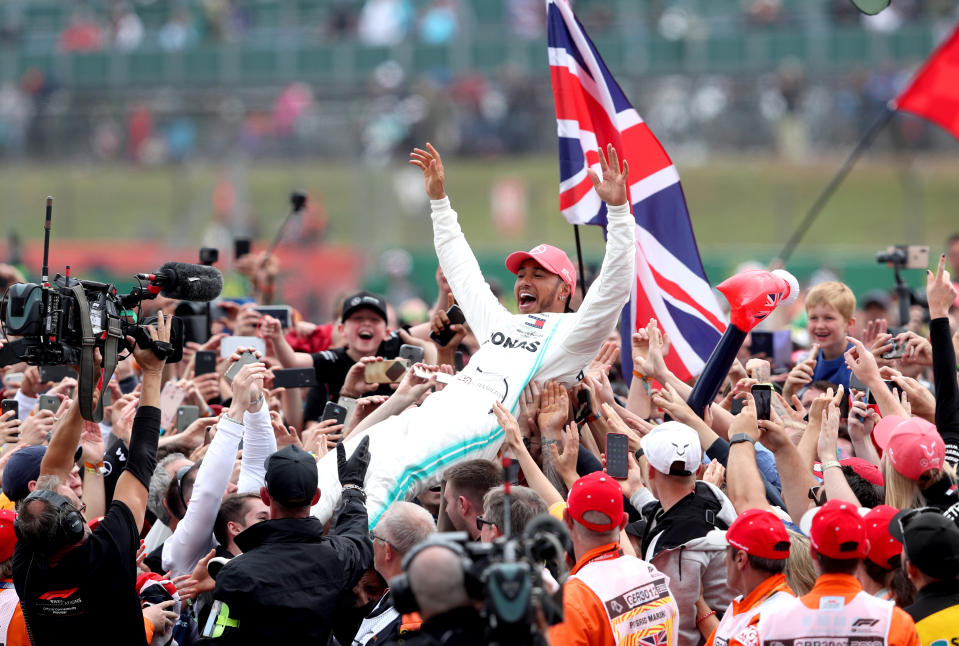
point(97, 468)
point(358, 489)
point(831, 463)
point(741, 437)
point(645, 380)
point(709, 614)
point(592, 417)
point(257, 401)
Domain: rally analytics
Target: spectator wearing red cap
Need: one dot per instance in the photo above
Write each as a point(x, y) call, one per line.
point(755, 568)
point(914, 466)
point(882, 575)
point(610, 597)
point(837, 609)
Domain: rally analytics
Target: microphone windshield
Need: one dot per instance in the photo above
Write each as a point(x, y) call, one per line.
point(189, 282)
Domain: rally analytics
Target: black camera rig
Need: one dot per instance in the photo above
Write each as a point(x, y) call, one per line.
point(64, 322)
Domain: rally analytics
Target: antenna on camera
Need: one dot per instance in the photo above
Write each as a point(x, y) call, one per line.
point(45, 271)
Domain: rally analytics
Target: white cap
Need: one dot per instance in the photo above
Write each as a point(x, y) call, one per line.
point(673, 442)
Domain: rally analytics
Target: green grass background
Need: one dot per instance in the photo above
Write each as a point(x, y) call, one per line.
point(741, 207)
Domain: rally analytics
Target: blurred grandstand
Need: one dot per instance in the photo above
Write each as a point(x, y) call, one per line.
point(157, 80)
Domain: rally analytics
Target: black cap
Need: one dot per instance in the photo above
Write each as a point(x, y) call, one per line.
point(291, 476)
point(930, 540)
point(22, 467)
point(364, 299)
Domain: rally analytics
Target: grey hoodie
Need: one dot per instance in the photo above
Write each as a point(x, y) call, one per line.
point(695, 568)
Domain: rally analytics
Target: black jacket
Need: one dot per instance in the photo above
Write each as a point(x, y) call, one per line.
point(288, 584)
point(459, 627)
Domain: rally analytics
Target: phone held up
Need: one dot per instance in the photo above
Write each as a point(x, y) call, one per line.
point(762, 395)
point(617, 451)
point(456, 317)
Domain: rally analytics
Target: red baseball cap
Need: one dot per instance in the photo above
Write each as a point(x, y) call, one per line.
point(882, 546)
point(550, 258)
point(838, 531)
point(864, 469)
point(8, 537)
point(760, 533)
point(914, 447)
point(597, 492)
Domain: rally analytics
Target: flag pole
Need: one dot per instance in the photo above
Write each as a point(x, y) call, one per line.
point(864, 142)
point(579, 257)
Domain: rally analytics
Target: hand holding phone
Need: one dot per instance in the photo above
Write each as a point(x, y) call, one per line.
point(412, 353)
point(332, 410)
point(49, 402)
point(246, 357)
point(186, 415)
point(388, 371)
point(617, 451)
point(204, 362)
point(454, 316)
point(762, 395)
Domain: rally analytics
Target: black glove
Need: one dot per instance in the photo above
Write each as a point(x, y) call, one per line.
point(353, 471)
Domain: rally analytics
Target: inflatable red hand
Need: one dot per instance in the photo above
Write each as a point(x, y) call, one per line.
point(754, 294)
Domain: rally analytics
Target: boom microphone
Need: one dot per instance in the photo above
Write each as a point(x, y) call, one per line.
point(185, 281)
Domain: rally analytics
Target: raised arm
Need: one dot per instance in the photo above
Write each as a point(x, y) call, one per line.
point(134, 482)
point(941, 294)
point(610, 291)
point(456, 258)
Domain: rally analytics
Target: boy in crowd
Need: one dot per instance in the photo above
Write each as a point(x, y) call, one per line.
point(830, 309)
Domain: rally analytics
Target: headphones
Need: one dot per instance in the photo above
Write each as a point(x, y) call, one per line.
point(68, 530)
point(402, 592)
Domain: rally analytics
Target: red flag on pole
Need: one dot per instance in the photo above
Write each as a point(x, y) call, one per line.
point(934, 92)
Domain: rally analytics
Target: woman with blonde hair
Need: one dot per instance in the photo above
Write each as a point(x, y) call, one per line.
point(800, 573)
point(913, 464)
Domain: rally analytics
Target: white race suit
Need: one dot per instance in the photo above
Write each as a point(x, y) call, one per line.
point(410, 451)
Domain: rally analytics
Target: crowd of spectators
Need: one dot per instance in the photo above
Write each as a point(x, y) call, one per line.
point(184, 516)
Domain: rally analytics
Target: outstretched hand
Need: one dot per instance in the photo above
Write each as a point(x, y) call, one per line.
point(612, 188)
point(431, 164)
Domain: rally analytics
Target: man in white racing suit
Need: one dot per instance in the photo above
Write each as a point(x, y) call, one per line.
point(544, 341)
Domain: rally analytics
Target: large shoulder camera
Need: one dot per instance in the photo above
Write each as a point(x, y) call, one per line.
point(64, 322)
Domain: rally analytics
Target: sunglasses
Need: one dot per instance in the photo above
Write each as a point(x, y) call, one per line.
point(480, 521)
point(180, 477)
point(374, 538)
point(818, 495)
point(909, 516)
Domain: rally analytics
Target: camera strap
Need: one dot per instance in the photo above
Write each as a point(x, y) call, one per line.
point(88, 377)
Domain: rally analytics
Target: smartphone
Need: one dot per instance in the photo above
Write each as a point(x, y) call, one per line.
point(455, 315)
point(241, 247)
point(761, 342)
point(855, 384)
point(617, 450)
point(762, 395)
point(332, 410)
point(186, 415)
point(294, 378)
point(13, 379)
point(412, 353)
point(736, 405)
point(584, 407)
point(896, 352)
point(204, 363)
point(389, 371)
point(229, 345)
point(56, 373)
point(282, 313)
point(245, 358)
point(844, 404)
point(49, 402)
point(10, 405)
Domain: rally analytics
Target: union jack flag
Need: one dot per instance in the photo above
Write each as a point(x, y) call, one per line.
point(592, 111)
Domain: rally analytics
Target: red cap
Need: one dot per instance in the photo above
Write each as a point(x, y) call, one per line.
point(837, 531)
point(864, 469)
point(882, 546)
point(8, 537)
point(598, 492)
point(914, 447)
point(760, 533)
point(548, 257)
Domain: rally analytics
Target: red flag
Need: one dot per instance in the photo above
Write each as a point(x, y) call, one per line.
point(934, 92)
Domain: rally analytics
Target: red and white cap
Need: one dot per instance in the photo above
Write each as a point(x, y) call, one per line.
point(760, 533)
point(882, 546)
point(596, 492)
point(914, 447)
point(550, 258)
point(837, 530)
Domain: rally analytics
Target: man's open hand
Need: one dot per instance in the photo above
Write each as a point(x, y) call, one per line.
point(612, 188)
point(432, 166)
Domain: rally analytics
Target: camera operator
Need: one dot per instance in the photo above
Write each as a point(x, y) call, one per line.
point(288, 584)
point(598, 597)
point(437, 580)
point(73, 582)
